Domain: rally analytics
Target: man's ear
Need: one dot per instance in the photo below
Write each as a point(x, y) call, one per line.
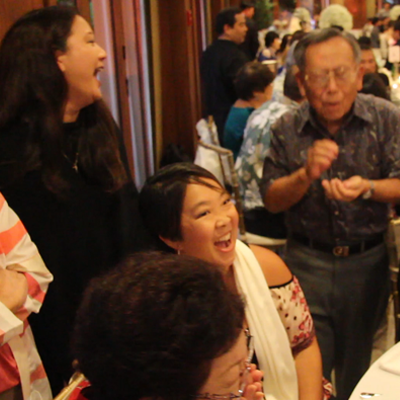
point(227, 29)
point(300, 82)
point(174, 244)
point(60, 59)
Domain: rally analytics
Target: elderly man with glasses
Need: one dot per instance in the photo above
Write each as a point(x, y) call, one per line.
point(334, 168)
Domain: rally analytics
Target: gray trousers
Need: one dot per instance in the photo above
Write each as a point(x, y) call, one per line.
point(347, 297)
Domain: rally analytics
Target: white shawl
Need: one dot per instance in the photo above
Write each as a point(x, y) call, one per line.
point(271, 342)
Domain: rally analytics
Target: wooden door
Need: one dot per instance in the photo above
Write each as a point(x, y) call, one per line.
point(10, 11)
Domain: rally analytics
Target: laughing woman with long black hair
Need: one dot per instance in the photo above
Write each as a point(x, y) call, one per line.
point(62, 166)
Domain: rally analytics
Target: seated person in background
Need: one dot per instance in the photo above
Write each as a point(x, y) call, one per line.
point(272, 45)
point(253, 88)
point(185, 206)
point(373, 84)
point(23, 284)
point(164, 327)
point(369, 63)
point(251, 157)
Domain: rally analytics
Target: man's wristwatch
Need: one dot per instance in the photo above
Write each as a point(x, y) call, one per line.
point(368, 194)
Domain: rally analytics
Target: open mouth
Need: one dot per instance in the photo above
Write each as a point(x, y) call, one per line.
point(98, 70)
point(224, 242)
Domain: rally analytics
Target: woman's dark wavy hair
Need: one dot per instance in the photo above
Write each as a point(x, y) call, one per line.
point(33, 95)
point(162, 196)
point(151, 327)
point(251, 78)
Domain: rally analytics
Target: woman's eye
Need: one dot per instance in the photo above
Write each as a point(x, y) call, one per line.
point(203, 214)
point(227, 201)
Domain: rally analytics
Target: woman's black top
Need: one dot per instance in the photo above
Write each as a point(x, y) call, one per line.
point(78, 237)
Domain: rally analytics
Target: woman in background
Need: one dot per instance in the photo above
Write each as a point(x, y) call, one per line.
point(253, 85)
point(272, 45)
point(63, 167)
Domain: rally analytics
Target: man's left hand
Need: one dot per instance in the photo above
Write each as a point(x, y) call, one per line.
point(347, 190)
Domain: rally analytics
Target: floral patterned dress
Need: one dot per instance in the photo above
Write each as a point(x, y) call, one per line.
point(295, 315)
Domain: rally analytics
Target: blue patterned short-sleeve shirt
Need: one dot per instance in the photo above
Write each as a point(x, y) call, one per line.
point(369, 146)
point(256, 141)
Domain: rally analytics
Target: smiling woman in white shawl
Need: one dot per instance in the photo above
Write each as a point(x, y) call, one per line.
point(185, 206)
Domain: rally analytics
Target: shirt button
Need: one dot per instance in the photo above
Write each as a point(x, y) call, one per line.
point(336, 213)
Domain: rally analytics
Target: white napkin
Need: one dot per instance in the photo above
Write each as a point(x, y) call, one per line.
point(391, 363)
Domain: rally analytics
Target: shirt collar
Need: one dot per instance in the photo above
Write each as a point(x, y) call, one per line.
point(359, 110)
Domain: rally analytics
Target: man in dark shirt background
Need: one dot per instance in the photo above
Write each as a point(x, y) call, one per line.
point(251, 43)
point(220, 63)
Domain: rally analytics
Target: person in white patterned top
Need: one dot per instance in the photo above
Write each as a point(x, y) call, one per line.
point(249, 164)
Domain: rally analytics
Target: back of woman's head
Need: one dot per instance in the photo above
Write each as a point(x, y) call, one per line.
point(161, 198)
point(251, 78)
point(285, 44)
point(373, 84)
point(152, 327)
point(31, 82)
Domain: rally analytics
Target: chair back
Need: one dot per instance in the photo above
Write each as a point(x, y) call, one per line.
point(207, 131)
point(76, 379)
point(393, 246)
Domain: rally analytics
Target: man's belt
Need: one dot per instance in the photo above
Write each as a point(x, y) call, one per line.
point(339, 250)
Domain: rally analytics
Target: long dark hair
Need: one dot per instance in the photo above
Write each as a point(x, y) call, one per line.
point(33, 95)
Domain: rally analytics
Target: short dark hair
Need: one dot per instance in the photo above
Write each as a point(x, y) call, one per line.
point(161, 198)
point(373, 84)
point(291, 87)
point(321, 36)
point(227, 16)
point(152, 326)
point(252, 77)
point(246, 4)
point(270, 37)
point(364, 41)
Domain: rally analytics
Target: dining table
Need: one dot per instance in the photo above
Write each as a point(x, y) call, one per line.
point(382, 379)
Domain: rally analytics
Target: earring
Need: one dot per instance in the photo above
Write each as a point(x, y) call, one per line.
point(178, 252)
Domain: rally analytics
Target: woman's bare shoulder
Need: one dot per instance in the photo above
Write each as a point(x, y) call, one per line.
point(275, 270)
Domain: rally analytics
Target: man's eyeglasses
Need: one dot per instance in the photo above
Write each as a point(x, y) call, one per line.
point(320, 80)
point(243, 378)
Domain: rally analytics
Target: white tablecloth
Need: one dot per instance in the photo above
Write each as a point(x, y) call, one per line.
point(378, 379)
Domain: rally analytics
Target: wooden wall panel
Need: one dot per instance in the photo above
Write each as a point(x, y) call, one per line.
point(122, 87)
point(179, 56)
point(358, 9)
point(84, 9)
point(10, 11)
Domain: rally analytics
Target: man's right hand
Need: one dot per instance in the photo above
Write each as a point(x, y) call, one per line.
point(320, 157)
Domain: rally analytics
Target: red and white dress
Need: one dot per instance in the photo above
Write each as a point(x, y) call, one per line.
point(20, 363)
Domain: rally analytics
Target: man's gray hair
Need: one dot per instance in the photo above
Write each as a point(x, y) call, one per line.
point(321, 36)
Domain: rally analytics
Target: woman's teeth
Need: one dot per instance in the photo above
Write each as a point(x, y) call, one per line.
point(224, 242)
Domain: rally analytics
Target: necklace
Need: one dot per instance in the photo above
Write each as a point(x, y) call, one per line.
point(74, 163)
